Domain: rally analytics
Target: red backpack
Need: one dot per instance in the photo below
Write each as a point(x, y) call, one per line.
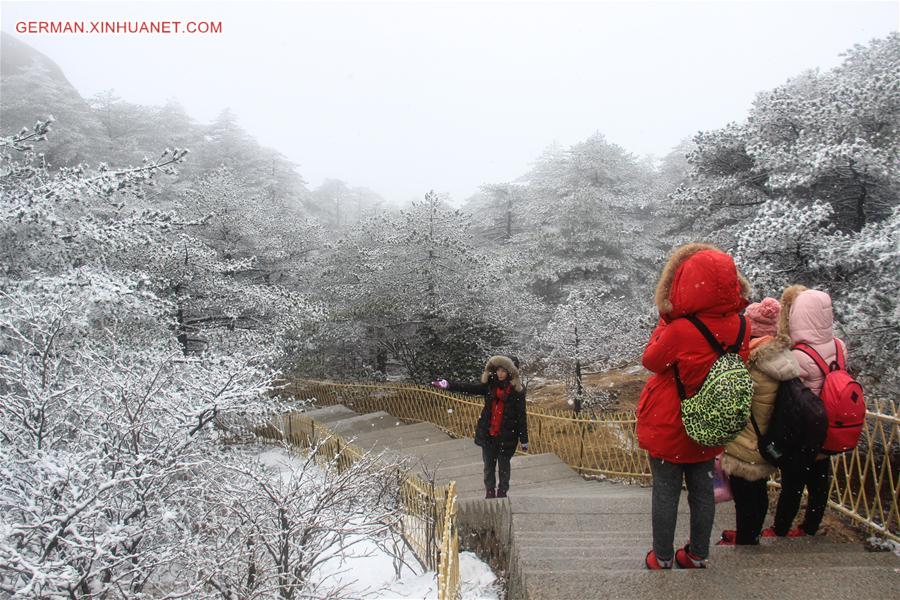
point(843, 399)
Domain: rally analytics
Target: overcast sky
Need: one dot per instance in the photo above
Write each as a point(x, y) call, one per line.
point(407, 97)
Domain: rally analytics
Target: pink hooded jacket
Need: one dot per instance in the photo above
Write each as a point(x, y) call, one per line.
point(807, 317)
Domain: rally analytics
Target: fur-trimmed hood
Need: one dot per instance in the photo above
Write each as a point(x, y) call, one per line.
point(700, 278)
point(806, 316)
point(773, 357)
point(788, 296)
point(505, 362)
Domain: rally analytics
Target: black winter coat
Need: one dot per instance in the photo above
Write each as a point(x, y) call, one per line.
point(513, 425)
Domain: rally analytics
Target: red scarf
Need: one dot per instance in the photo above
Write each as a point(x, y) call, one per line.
point(501, 393)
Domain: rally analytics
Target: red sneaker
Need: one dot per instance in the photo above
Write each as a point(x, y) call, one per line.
point(729, 538)
point(501, 493)
point(797, 532)
point(654, 564)
point(688, 560)
point(769, 532)
point(490, 494)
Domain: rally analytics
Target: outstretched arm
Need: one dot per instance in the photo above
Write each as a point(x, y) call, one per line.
point(476, 389)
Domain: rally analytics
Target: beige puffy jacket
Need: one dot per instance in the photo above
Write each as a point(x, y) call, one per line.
point(771, 362)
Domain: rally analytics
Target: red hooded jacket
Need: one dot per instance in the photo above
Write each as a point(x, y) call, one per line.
point(698, 280)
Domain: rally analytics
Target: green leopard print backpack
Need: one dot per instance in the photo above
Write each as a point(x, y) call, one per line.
point(720, 409)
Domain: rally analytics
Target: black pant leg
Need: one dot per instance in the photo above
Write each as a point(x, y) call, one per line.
point(760, 495)
point(751, 503)
point(793, 480)
point(505, 469)
point(818, 483)
point(489, 456)
point(742, 505)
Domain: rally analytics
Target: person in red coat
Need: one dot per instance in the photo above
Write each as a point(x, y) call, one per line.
point(699, 280)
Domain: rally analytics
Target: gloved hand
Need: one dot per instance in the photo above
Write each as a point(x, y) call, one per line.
point(441, 383)
point(525, 447)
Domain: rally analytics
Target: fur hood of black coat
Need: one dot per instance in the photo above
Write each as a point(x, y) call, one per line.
point(506, 363)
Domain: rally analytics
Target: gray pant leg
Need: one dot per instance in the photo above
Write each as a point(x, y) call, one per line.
point(701, 499)
point(667, 479)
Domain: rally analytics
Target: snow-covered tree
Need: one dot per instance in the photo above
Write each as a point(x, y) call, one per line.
point(32, 84)
point(499, 212)
point(807, 186)
point(410, 288)
point(787, 243)
point(585, 216)
point(833, 137)
point(339, 206)
point(58, 219)
point(821, 137)
point(284, 536)
point(781, 244)
point(864, 267)
point(593, 330)
point(106, 426)
point(239, 221)
point(224, 143)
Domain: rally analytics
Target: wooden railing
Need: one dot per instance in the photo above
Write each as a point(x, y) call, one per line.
point(865, 486)
point(428, 523)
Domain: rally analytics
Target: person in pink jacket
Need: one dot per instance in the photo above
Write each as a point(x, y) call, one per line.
point(807, 317)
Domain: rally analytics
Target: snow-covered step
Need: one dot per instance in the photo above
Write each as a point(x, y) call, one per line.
point(577, 488)
point(441, 452)
point(519, 464)
point(330, 413)
point(521, 477)
point(359, 424)
point(400, 436)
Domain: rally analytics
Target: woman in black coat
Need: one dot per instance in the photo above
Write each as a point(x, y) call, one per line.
point(502, 424)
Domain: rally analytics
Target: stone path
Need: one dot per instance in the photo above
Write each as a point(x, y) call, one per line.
point(564, 537)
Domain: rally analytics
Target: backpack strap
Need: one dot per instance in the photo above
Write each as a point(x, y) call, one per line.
point(678, 383)
point(839, 353)
point(817, 358)
point(755, 426)
point(713, 342)
point(716, 344)
point(740, 338)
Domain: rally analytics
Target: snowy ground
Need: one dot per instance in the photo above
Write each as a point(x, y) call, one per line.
point(366, 571)
point(884, 544)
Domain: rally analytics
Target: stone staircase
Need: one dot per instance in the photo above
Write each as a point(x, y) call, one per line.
point(564, 537)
